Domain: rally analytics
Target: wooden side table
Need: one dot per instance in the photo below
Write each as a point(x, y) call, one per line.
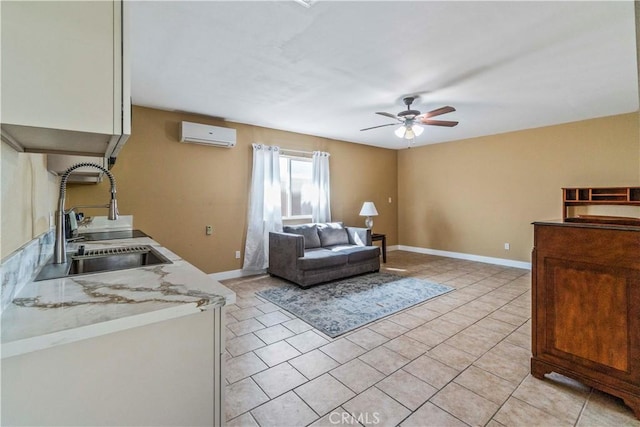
point(383, 238)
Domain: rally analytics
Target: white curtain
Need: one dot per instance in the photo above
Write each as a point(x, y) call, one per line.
point(265, 213)
point(321, 203)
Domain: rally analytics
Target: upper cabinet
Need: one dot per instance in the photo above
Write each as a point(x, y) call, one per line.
point(65, 77)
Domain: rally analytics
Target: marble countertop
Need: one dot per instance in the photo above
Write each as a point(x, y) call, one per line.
point(59, 311)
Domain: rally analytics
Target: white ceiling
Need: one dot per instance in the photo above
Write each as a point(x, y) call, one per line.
point(325, 70)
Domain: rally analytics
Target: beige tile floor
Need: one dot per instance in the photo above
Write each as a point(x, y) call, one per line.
point(456, 360)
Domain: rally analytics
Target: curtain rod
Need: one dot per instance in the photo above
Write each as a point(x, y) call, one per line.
point(287, 150)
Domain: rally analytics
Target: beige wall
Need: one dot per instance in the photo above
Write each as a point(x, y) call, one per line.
point(174, 190)
point(29, 194)
point(472, 196)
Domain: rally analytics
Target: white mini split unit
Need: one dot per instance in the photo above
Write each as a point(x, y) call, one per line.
point(215, 136)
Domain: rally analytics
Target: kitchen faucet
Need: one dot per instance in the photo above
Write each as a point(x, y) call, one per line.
point(60, 247)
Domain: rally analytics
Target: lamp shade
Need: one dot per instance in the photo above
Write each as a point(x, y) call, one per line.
point(368, 209)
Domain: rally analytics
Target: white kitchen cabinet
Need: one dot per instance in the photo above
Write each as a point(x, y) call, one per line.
point(168, 373)
point(65, 77)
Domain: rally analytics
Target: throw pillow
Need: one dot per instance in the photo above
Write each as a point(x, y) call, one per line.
point(308, 231)
point(333, 236)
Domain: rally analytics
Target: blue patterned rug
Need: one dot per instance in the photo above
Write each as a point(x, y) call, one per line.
point(343, 305)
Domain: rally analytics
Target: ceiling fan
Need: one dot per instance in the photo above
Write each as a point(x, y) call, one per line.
point(411, 120)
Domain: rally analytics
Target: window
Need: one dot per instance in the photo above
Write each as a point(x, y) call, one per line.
point(296, 184)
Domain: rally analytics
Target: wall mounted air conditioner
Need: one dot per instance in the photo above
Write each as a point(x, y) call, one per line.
point(197, 133)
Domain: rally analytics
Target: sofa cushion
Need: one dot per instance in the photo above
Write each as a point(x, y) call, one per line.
point(331, 236)
point(357, 253)
point(321, 258)
point(308, 231)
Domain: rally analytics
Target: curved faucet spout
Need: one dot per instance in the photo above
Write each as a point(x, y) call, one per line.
point(60, 247)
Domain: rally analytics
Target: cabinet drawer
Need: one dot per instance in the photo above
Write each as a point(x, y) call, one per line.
point(590, 244)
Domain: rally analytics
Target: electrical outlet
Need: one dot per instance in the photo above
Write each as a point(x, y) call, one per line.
point(507, 246)
point(209, 230)
point(237, 254)
point(389, 199)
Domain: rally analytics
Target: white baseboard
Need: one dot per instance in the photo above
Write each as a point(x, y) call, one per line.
point(234, 274)
point(470, 257)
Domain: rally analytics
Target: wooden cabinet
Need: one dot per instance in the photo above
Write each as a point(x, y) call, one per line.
point(65, 77)
point(586, 306)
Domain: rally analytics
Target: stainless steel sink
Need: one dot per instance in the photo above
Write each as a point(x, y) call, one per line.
point(110, 235)
point(103, 260)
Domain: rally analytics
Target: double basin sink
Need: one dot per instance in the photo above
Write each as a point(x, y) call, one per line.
point(103, 260)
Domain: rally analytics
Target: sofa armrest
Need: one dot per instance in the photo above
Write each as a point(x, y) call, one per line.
point(359, 236)
point(288, 244)
point(284, 251)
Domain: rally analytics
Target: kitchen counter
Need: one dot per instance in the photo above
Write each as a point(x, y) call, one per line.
point(49, 313)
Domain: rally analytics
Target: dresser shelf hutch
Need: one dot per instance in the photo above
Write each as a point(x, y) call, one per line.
point(593, 196)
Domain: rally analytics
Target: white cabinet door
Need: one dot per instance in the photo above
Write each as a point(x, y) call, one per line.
point(64, 76)
point(162, 374)
point(58, 65)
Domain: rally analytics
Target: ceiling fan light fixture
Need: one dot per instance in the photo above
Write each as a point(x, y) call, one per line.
point(409, 134)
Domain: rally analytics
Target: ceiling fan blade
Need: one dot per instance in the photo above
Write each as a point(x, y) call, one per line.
point(381, 126)
point(446, 123)
point(391, 116)
point(439, 111)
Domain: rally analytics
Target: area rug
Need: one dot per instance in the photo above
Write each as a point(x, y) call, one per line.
point(343, 305)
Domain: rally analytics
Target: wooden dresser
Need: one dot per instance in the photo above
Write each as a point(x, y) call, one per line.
point(586, 306)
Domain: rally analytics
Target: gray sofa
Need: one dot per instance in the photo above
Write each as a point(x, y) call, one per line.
point(309, 254)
